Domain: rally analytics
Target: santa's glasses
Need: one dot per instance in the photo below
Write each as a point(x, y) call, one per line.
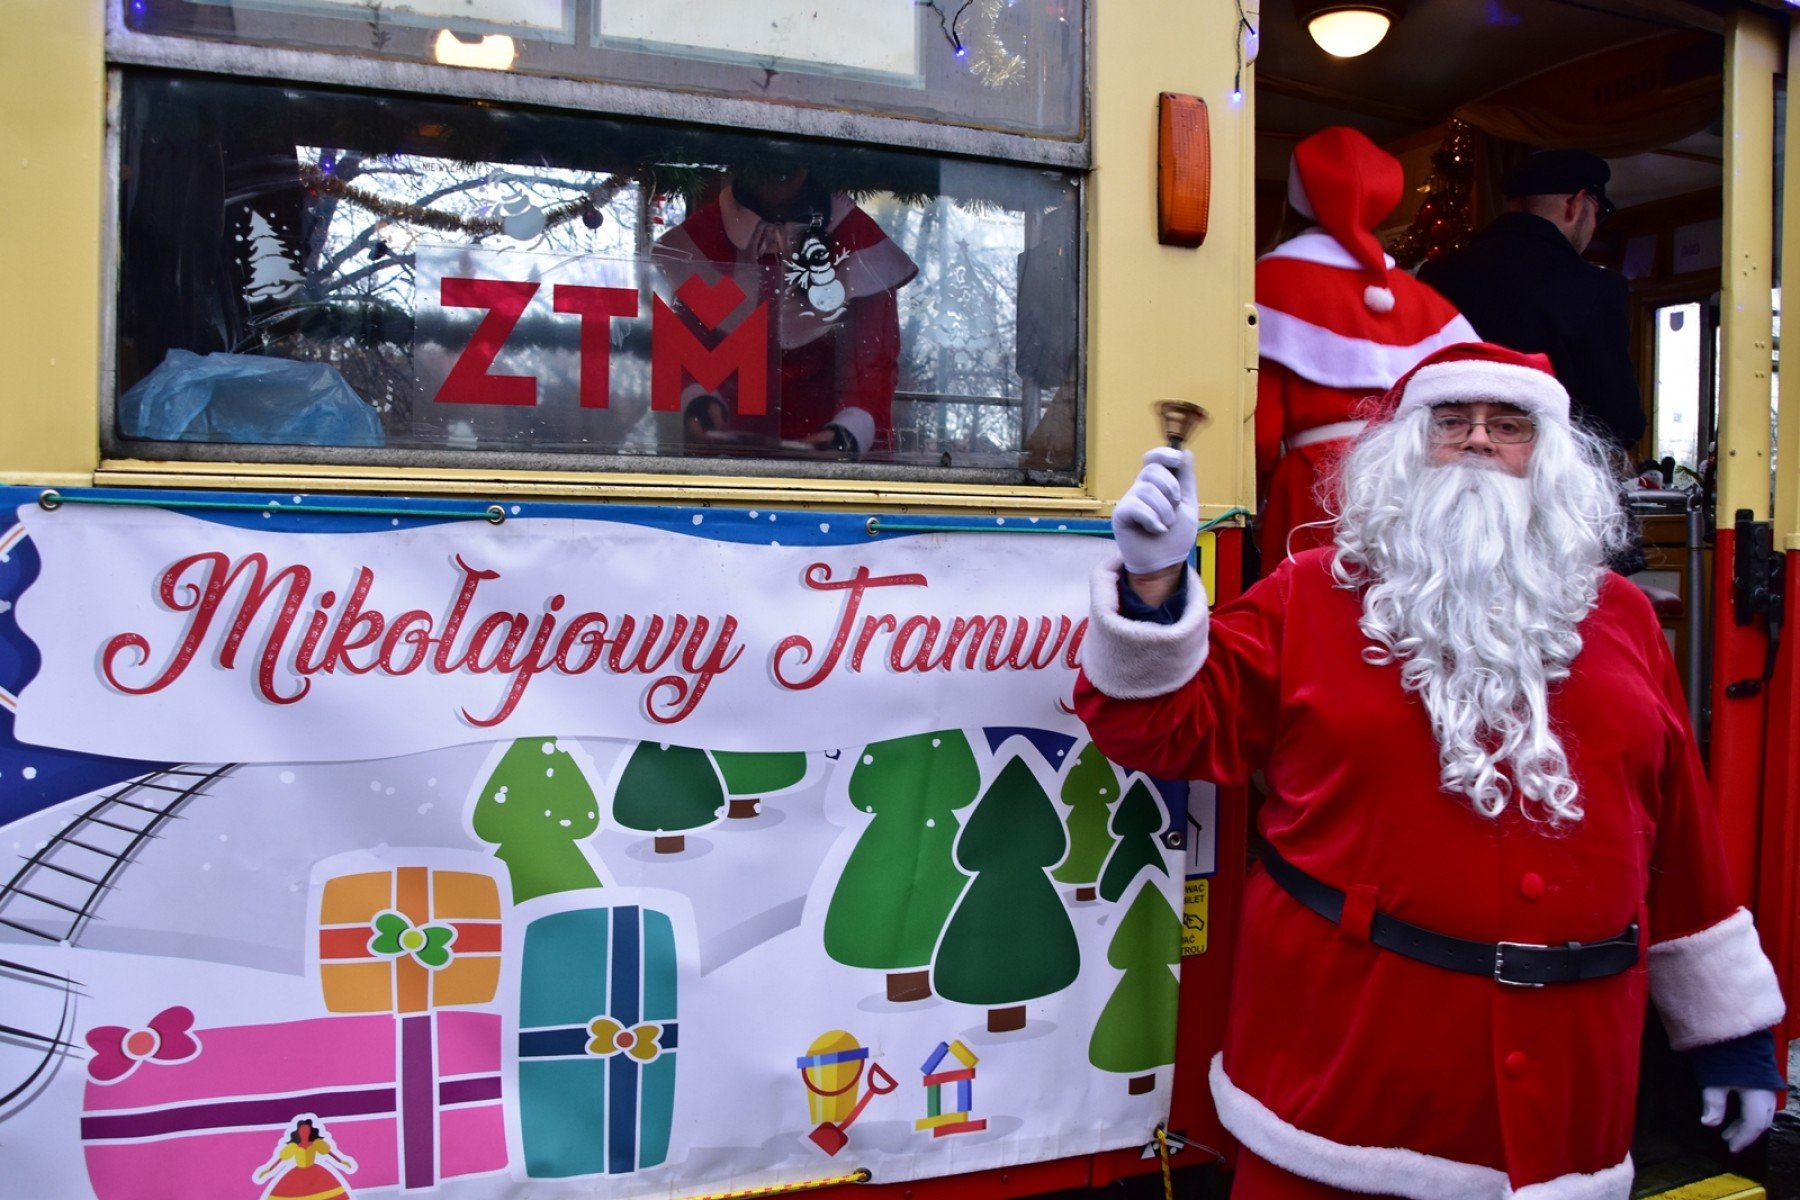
point(1453, 427)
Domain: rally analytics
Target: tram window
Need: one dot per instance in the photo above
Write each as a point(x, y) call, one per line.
point(1678, 393)
point(1017, 65)
point(334, 276)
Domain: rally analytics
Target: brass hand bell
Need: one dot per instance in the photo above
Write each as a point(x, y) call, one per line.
point(1180, 420)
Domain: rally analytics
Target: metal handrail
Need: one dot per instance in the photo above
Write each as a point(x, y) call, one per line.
point(1693, 505)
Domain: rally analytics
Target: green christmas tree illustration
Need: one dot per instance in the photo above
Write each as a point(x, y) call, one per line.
point(1090, 791)
point(751, 776)
point(1010, 939)
point(668, 790)
point(534, 810)
point(1136, 823)
point(901, 881)
point(1136, 1030)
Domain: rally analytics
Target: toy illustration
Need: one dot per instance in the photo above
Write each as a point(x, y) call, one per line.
point(940, 1122)
point(832, 1070)
point(299, 1165)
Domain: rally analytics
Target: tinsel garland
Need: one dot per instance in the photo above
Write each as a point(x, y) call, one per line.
point(323, 183)
point(992, 62)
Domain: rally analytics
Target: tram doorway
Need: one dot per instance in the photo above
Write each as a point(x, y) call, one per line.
point(1461, 94)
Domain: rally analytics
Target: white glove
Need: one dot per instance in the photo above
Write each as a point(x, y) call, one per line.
point(1756, 1112)
point(1158, 519)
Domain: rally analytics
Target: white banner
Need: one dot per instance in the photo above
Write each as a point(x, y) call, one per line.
point(603, 853)
point(302, 647)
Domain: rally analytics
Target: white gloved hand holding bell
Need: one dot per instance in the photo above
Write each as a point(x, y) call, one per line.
point(1158, 519)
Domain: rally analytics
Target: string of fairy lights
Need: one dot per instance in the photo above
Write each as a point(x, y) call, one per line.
point(991, 62)
point(1246, 41)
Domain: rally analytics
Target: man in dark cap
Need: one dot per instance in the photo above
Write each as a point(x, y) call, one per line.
point(1523, 284)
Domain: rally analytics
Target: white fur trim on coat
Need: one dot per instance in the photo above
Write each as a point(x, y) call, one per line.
point(859, 423)
point(1389, 1170)
point(1317, 246)
point(1316, 353)
point(1466, 381)
point(1716, 984)
point(1613, 1182)
point(1134, 660)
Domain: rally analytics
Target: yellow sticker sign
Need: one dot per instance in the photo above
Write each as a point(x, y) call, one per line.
point(1193, 918)
point(1719, 1187)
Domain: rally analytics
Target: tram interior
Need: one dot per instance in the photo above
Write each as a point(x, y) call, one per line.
point(1460, 92)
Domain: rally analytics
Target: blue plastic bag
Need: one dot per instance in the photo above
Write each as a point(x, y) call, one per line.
point(247, 398)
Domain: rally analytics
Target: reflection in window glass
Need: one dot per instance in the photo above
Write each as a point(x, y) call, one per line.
point(307, 268)
point(1677, 402)
point(1016, 65)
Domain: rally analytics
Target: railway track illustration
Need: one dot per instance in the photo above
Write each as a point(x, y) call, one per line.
point(54, 894)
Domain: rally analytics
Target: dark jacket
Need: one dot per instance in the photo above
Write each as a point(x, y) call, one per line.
point(1522, 285)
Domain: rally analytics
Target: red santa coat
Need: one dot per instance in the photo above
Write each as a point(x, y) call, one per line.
point(1358, 1067)
point(1324, 350)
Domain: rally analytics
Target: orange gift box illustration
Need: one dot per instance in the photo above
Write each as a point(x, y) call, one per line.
point(408, 940)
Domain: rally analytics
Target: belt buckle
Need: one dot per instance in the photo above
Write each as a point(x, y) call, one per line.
point(1500, 962)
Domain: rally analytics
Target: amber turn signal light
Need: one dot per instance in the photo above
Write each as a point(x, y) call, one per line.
point(1183, 171)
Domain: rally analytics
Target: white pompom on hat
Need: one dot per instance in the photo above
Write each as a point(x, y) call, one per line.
point(1476, 372)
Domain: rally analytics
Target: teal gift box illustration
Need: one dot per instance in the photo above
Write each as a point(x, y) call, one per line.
point(598, 1037)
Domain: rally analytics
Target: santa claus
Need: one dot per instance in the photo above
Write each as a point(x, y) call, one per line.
point(1337, 323)
point(1488, 836)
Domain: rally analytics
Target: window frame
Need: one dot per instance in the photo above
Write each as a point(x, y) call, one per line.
point(127, 49)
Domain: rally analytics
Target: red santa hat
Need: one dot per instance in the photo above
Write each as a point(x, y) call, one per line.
point(1472, 372)
point(1348, 184)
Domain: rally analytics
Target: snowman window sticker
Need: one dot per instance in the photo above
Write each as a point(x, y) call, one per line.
point(812, 271)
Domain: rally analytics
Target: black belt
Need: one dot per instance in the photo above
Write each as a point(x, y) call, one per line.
point(1522, 964)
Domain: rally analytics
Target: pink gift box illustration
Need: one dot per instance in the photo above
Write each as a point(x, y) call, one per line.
point(409, 1100)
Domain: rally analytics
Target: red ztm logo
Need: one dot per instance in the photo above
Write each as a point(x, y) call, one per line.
point(676, 353)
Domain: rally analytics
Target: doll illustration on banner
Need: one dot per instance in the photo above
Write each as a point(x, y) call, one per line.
point(300, 1167)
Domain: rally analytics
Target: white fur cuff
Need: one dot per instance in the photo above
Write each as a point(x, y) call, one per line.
point(1134, 660)
point(1389, 1170)
point(1715, 985)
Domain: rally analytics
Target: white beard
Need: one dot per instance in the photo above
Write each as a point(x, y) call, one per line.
point(1475, 586)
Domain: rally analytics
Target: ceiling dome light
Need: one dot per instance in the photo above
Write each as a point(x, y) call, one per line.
point(1347, 28)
